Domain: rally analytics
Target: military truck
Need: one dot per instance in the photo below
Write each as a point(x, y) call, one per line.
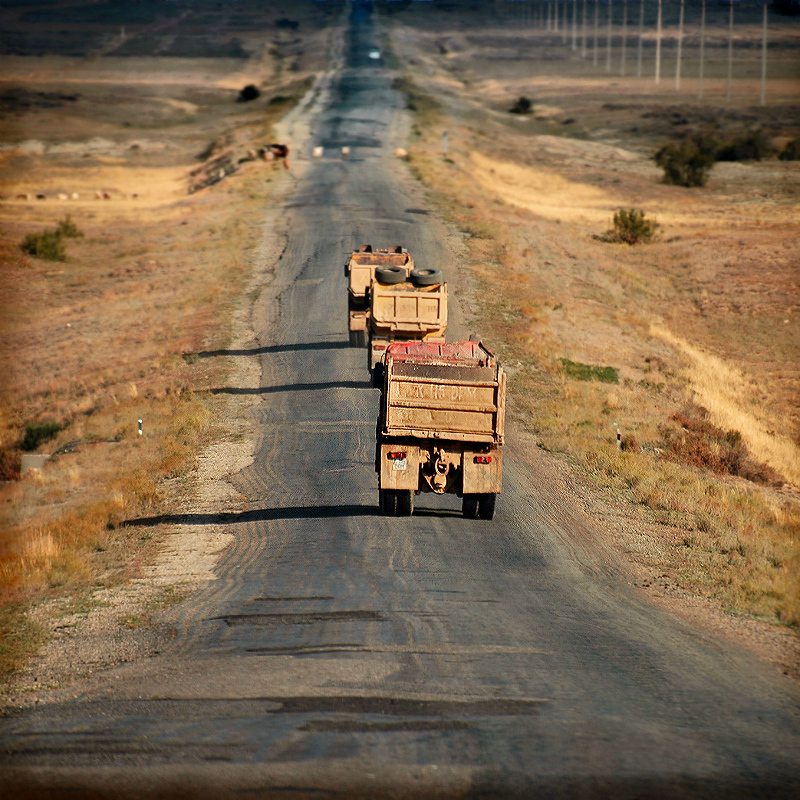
point(440, 426)
point(405, 309)
point(360, 270)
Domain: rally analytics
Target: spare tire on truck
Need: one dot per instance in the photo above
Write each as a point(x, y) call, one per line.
point(426, 277)
point(390, 275)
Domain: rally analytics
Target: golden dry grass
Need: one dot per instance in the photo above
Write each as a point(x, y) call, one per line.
point(548, 290)
point(734, 403)
point(100, 341)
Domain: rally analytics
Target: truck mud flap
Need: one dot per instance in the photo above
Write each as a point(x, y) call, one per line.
point(483, 472)
point(399, 467)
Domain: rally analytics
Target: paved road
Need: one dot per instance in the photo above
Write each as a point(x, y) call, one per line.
point(344, 654)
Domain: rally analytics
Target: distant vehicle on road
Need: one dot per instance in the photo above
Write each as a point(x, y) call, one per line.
point(360, 269)
point(404, 308)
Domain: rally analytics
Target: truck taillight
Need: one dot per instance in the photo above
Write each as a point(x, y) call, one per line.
point(400, 456)
point(379, 347)
point(483, 459)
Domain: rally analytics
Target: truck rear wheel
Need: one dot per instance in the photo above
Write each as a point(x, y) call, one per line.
point(486, 505)
point(388, 502)
point(405, 503)
point(354, 338)
point(469, 506)
point(390, 275)
point(426, 277)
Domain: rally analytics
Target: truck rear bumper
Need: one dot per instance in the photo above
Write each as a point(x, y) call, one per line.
point(440, 467)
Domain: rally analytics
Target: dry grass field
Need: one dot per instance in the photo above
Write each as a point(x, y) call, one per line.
point(687, 347)
point(110, 117)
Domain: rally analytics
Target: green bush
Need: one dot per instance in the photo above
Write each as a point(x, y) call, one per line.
point(750, 146)
point(688, 162)
point(248, 93)
point(631, 227)
point(38, 432)
point(791, 152)
point(522, 106)
point(50, 244)
point(68, 229)
point(47, 244)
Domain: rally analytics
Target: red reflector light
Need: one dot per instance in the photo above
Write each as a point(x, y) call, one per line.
point(396, 456)
point(483, 459)
point(379, 347)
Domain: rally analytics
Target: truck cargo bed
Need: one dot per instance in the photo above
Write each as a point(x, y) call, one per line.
point(444, 391)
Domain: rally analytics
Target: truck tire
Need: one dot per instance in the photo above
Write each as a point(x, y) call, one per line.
point(388, 501)
point(354, 338)
point(486, 505)
point(426, 277)
point(405, 503)
point(362, 340)
point(469, 506)
point(390, 275)
point(377, 376)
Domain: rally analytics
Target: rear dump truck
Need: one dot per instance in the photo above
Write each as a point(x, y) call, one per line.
point(404, 309)
point(360, 270)
point(440, 426)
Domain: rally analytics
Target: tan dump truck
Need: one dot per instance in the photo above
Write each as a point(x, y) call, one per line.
point(404, 309)
point(440, 426)
point(360, 270)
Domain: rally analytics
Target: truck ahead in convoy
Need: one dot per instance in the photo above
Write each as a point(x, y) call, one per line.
point(440, 426)
point(403, 309)
point(360, 270)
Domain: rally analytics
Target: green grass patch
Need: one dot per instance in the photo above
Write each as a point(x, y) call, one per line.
point(589, 372)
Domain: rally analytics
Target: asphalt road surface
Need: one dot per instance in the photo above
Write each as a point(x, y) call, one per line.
point(344, 654)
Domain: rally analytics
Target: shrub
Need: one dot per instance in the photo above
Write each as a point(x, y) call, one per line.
point(50, 244)
point(68, 229)
point(10, 465)
point(47, 244)
point(697, 441)
point(689, 162)
point(750, 146)
point(589, 372)
point(631, 227)
point(248, 93)
point(791, 152)
point(38, 432)
point(522, 106)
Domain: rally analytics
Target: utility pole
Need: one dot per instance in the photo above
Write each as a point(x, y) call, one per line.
point(658, 44)
point(624, 36)
point(702, 51)
point(764, 60)
point(641, 35)
point(680, 51)
point(730, 55)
